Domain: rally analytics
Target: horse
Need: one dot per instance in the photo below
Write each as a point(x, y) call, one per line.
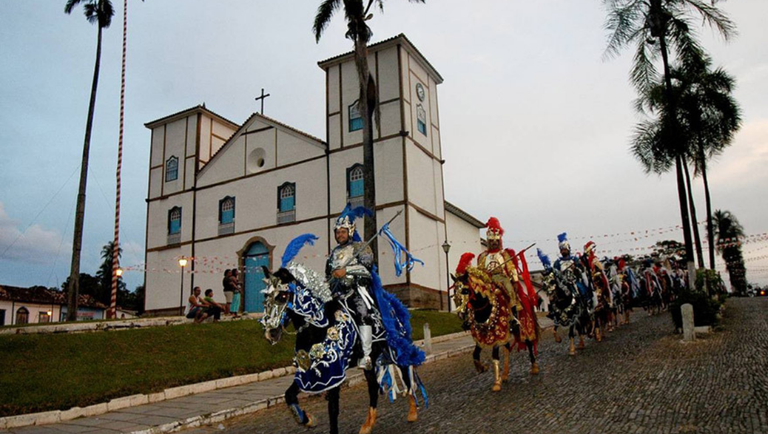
point(485, 309)
point(327, 345)
point(567, 309)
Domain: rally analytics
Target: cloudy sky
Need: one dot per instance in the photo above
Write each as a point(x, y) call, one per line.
point(535, 123)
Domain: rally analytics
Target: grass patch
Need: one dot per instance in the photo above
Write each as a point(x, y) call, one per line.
point(56, 372)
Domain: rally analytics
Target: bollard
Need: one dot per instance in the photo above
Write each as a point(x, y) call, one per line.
point(427, 339)
point(689, 333)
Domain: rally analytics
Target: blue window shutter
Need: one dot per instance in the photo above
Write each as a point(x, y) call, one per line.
point(228, 216)
point(356, 188)
point(422, 127)
point(355, 124)
point(287, 204)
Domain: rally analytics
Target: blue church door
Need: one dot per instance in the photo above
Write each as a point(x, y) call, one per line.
point(256, 256)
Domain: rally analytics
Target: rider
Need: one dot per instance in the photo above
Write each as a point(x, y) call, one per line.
point(348, 270)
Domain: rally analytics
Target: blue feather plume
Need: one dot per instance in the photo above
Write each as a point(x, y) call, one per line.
point(295, 246)
point(544, 259)
point(562, 237)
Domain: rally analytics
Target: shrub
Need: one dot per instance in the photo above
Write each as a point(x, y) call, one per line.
point(705, 309)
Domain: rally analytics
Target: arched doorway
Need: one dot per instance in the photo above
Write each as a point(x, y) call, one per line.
point(22, 316)
point(255, 256)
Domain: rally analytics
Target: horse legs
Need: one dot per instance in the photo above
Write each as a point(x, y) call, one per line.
point(292, 401)
point(476, 358)
point(333, 408)
point(571, 334)
point(558, 339)
point(413, 414)
point(373, 397)
point(598, 328)
point(505, 374)
point(496, 371)
point(534, 364)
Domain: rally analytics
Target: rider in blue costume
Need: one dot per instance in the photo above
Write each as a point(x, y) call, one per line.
point(348, 270)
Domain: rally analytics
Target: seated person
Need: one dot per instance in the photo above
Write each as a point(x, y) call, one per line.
point(211, 307)
point(196, 308)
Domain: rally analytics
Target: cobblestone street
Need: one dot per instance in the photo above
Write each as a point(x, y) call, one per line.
point(641, 379)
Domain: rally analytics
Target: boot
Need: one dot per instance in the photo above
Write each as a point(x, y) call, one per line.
point(479, 367)
point(370, 420)
point(572, 348)
point(558, 339)
point(366, 341)
point(535, 368)
point(496, 377)
point(413, 414)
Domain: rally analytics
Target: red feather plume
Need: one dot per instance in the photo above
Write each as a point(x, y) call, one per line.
point(464, 263)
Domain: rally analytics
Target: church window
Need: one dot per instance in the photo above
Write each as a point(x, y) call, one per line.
point(286, 203)
point(22, 316)
point(355, 183)
point(286, 197)
point(355, 119)
point(172, 169)
point(174, 221)
point(421, 119)
point(227, 215)
point(227, 210)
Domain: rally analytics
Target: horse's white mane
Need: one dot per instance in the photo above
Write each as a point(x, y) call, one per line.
point(312, 280)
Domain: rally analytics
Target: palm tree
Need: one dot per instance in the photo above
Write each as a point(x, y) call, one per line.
point(658, 27)
point(713, 117)
point(728, 232)
point(356, 12)
point(708, 117)
point(98, 12)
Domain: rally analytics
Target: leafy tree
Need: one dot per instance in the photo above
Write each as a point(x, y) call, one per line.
point(357, 13)
point(660, 28)
point(98, 12)
point(729, 233)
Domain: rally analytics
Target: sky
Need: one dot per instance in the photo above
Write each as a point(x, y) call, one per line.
point(536, 122)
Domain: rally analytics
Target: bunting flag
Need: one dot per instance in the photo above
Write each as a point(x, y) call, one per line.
point(403, 258)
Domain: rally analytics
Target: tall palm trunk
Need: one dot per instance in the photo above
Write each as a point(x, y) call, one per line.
point(73, 289)
point(366, 104)
point(678, 166)
point(708, 199)
point(694, 219)
point(112, 312)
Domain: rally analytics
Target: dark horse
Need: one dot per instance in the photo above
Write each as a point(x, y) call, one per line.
point(567, 307)
point(327, 345)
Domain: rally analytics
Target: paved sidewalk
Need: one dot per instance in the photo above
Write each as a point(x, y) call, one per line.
point(210, 407)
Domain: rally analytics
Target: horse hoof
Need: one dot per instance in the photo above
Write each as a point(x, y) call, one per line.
point(581, 345)
point(496, 387)
point(558, 339)
point(413, 414)
point(479, 367)
point(311, 422)
point(572, 352)
point(535, 369)
point(369, 422)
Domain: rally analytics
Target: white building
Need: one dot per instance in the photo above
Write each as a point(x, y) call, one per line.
point(227, 194)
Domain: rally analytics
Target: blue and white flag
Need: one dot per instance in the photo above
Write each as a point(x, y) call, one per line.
point(403, 258)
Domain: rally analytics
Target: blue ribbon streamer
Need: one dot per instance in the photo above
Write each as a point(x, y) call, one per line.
point(403, 258)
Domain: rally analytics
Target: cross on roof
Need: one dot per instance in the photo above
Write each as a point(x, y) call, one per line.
point(261, 98)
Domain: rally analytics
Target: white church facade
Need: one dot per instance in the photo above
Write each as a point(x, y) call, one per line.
point(228, 195)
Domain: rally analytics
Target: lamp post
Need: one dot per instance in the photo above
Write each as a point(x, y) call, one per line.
point(446, 249)
point(182, 264)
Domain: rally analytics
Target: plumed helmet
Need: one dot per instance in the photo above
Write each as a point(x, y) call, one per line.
point(494, 231)
point(347, 219)
point(562, 241)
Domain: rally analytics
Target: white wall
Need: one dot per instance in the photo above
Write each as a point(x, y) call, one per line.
point(34, 309)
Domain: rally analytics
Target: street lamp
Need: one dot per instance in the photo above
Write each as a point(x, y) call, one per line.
point(182, 264)
point(119, 272)
point(446, 249)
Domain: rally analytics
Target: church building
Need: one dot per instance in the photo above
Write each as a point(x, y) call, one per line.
point(226, 195)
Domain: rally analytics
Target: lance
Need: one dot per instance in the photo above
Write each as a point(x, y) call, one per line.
point(517, 254)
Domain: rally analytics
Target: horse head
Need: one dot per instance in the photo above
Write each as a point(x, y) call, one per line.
point(278, 296)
